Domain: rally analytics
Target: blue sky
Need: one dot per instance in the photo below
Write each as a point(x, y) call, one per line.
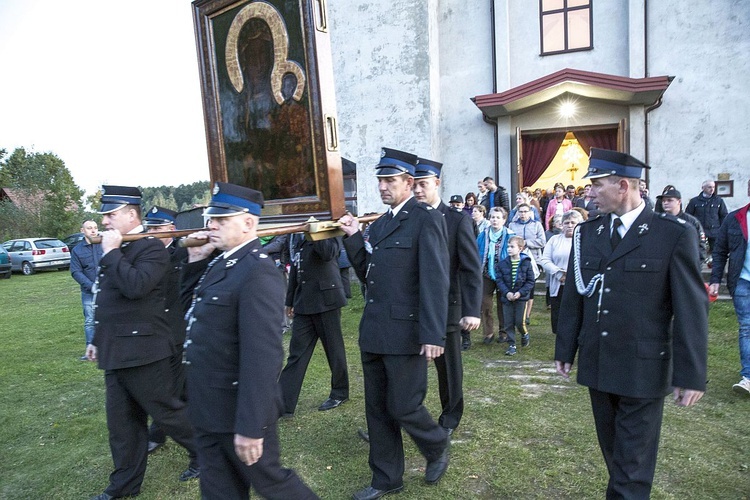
point(112, 88)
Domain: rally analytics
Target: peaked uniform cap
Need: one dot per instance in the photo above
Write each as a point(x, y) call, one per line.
point(394, 162)
point(116, 197)
point(231, 199)
point(604, 162)
point(427, 168)
point(159, 216)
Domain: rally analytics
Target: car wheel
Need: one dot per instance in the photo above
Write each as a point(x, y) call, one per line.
point(27, 269)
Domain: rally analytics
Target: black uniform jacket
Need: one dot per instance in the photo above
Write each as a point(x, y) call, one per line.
point(407, 280)
point(314, 280)
point(131, 326)
point(465, 296)
point(650, 333)
point(172, 304)
point(234, 351)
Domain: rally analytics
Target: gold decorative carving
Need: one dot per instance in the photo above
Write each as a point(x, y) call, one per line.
point(281, 66)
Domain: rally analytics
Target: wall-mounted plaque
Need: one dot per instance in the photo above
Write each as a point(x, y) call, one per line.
point(269, 104)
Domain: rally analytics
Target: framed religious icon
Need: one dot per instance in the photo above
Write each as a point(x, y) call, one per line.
point(725, 189)
point(269, 105)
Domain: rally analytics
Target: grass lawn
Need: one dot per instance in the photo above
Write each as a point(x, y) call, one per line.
point(526, 432)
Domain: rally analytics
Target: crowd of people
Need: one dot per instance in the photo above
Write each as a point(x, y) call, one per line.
point(207, 322)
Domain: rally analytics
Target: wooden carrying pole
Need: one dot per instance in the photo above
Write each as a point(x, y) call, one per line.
point(314, 230)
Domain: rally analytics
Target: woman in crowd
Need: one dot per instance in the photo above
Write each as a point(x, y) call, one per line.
point(493, 247)
point(554, 260)
point(470, 201)
point(480, 221)
point(522, 198)
point(557, 205)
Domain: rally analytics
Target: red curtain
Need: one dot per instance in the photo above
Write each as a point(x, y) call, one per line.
point(601, 138)
point(538, 152)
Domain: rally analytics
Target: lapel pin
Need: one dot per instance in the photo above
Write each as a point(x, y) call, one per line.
point(642, 228)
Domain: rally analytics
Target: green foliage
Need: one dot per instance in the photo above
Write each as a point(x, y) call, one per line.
point(48, 200)
point(179, 198)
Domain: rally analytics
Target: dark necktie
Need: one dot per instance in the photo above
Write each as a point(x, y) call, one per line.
point(388, 216)
point(616, 238)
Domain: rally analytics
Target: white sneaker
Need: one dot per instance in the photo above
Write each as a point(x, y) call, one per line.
point(743, 386)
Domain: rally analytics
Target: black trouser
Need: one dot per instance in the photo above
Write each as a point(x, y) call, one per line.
point(554, 303)
point(155, 433)
point(628, 430)
point(395, 387)
point(225, 477)
point(450, 375)
point(132, 395)
point(514, 314)
point(306, 330)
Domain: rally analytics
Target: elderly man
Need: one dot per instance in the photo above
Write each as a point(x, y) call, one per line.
point(632, 260)
point(671, 202)
point(234, 353)
point(465, 295)
point(84, 260)
point(710, 209)
point(405, 264)
point(133, 344)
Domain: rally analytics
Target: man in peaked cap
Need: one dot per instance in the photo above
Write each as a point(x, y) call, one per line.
point(234, 353)
point(405, 265)
point(133, 344)
point(160, 219)
point(631, 259)
point(671, 203)
point(464, 296)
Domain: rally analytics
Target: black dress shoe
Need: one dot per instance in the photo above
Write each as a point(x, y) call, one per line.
point(363, 435)
point(436, 468)
point(192, 472)
point(330, 404)
point(153, 446)
point(371, 493)
point(103, 496)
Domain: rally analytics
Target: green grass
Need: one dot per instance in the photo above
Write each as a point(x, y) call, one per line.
point(526, 433)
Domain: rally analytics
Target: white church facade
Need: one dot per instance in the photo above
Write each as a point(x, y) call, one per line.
point(520, 89)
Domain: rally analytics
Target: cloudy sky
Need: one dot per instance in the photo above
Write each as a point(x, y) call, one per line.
point(111, 87)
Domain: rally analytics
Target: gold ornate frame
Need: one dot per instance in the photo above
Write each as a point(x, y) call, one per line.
point(249, 99)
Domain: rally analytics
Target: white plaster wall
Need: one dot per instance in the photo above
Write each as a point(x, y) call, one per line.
point(381, 64)
point(702, 128)
point(610, 54)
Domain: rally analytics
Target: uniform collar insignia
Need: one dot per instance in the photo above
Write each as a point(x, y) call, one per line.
point(642, 228)
point(230, 263)
point(600, 229)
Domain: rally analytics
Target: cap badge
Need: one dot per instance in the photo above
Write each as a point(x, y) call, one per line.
point(382, 153)
point(216, 189)
point(154, 210)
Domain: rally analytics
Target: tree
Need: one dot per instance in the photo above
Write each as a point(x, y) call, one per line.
point(52, 201)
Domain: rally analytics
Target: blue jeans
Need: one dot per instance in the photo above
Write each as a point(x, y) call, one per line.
point(741, 300)
point(87, 300)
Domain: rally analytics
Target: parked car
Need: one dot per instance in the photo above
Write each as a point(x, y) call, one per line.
point(73, 240)
point(29, 255)
point(4, 263)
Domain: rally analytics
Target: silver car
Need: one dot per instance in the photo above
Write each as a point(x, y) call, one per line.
point(29, 255)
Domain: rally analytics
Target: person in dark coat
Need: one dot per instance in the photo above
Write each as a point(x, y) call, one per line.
point(405, 264)
point(314, 299)
point(465, 295)
point(671, 202)
point(234, 353)
point(159, 219)
point(710, 209)
point(731, 244)
point(133, 343)
point(496, 196)
point(84, 261)
point(635, 311)
point(515, 284)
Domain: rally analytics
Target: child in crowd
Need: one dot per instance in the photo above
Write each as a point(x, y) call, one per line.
point(515, 281)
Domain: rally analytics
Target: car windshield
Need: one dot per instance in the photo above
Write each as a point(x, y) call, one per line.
point(49, 243)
